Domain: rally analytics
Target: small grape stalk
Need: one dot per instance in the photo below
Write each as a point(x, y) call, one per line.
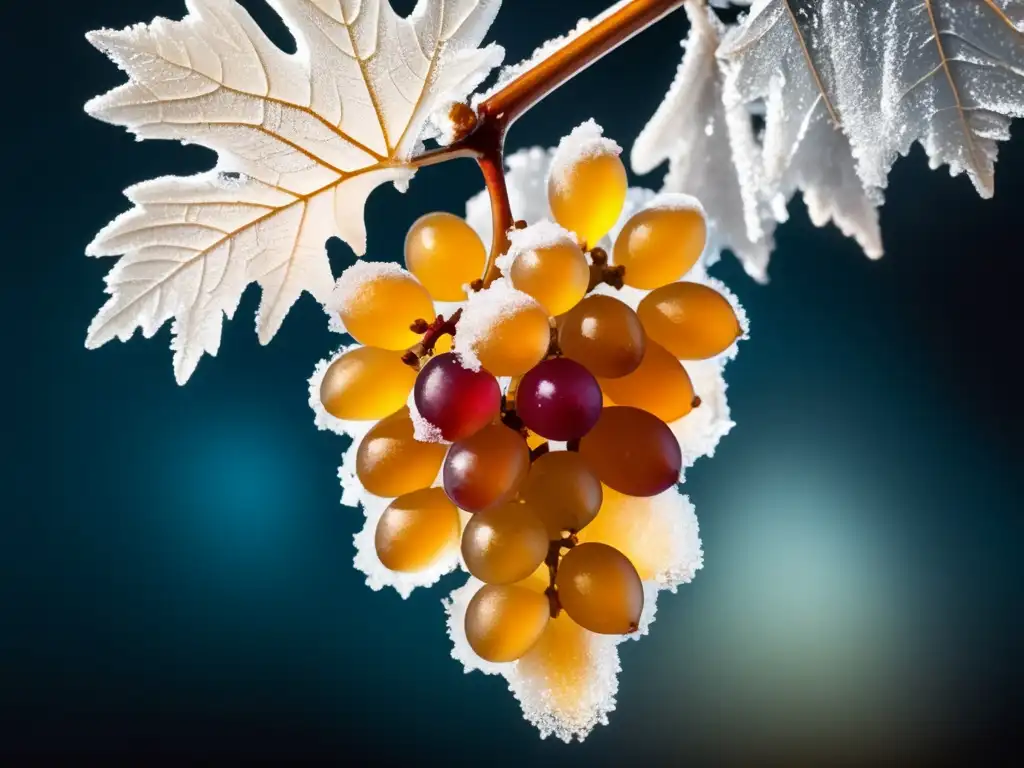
point(525, 394)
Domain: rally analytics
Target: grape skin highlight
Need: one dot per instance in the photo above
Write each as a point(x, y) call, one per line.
point(486, 469)
point(454, 399)
point(390, 461)
point(564, 492)
point(633, 452)
point(445, 254)
point(416, 529)
point(365, 384)
point(504, 622)
point(659, 245)
point(604, 335)
point(504, 544)
point(692, 321)
point(600, 589)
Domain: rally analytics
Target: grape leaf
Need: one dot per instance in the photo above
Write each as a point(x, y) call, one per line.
point(711, 149)
point(779, 56)
point(946, 73)
point(302, 139)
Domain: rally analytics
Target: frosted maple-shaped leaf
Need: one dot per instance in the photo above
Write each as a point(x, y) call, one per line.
point(302, 139)
point(947, 73)
point(779, 56)
point(711, 148)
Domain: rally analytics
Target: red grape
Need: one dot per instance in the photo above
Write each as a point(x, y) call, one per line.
point(456, 400)
point(486, 469)
point(559, 399)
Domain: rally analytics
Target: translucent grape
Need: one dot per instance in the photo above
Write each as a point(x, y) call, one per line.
point(454, 399)
point(632, 451)
point(486, 469)
point(586, 194)
point(507, 339)
point(378, 302)
point(660, 385)
point(504, 622)
point(366, 384)
point(563, 491)
point(600, 589)
point(563, 659)
point(504, 544)
point(690, 320)
point(557, 276)
point(659, 245)
point(603, 334)
point(416, 529)
point(391, 462)
point(647, 538)
point(444, 253)
point(559, 399)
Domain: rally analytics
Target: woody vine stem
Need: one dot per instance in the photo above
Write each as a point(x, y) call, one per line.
point(481, 136)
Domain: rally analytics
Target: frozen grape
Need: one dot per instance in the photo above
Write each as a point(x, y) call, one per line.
point(445, 254)
point(660, 385)
point(563, 491)
point(600, 589)
point(416, 529)
point(660, 245)
point(690, 320)
point(486, 469)
point(604, 335)
point(366, 383)
point(454, 399)
point(391, 462)
point(559, 399)
point(504, 544)
point(632, 451)
point(378, 302)
point(504, 622)
point(557, 276)
point(587, 184)
point(504, 331)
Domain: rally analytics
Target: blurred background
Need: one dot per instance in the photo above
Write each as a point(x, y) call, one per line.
point(175, 568)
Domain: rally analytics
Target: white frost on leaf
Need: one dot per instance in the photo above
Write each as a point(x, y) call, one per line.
point(778, 56)
point(711, 149)
point(946, 73)
point(302, 139)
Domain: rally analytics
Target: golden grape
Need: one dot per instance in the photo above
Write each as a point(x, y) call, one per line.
point(504, 622)
point(600, 589)
point(659, 245)
point(504, 544)
point(416, 529)
point(378, 304)
point(637, 530)
point(632, 451)
point(515, 342)
point(444, 253)
point(487, 468)
point(604, 335)
point(557, 276)
point(586, 195)
point(690, 320)
point(660, 385)
point(564, 492)
point(391, 462)
point(366, 383)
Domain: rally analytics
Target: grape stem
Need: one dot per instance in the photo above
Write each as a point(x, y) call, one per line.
point(482, 137)
point(554, 556)
point(431, 333)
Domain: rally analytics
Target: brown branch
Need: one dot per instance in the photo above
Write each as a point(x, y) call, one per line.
point(600, 272)
point(431, 333)
point(551, 561)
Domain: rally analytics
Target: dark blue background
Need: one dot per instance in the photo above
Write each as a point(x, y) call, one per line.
point(175, 569)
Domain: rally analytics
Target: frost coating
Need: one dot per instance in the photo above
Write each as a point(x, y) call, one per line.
point(355, 281)
point(301, 139)
point(423, 430)
point(484, 312)
point(542, 234)
point(586, 140)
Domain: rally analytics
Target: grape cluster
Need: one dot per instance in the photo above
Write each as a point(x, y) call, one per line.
point(523, 430)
